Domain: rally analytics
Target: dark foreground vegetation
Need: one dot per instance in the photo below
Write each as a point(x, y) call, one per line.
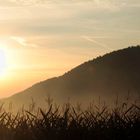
point(71, 123)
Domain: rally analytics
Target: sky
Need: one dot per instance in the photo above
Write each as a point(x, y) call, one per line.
point(40, 39)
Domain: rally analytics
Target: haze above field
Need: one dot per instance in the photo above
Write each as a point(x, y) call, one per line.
point(40, 39)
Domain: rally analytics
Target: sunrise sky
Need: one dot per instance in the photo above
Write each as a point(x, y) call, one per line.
point(40, 39)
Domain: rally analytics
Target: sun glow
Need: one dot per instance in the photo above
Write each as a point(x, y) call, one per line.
point(3, 63)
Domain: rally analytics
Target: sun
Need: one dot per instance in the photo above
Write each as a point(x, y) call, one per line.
point(3, 60)
point(2, 63)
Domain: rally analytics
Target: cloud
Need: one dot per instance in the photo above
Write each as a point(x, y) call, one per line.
point(23, 42)
point(15, 3)
point(97, 4)
point(30, 18)
point(102, 45)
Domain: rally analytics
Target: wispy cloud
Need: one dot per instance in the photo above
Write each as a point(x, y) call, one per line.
point(115, 18)
point(96, 4)
point(102, 45)
point(23, 42)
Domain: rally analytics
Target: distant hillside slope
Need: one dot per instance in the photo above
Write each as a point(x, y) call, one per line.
point(115, 73)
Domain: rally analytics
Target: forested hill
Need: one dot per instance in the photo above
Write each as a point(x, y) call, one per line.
point(114, 73)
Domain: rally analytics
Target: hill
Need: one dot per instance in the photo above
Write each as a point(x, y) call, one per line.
point(115, 73)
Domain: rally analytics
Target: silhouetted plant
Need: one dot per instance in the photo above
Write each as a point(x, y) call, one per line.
point(97, 123)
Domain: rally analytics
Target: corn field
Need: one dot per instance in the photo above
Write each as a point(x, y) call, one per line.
point(71, 123)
